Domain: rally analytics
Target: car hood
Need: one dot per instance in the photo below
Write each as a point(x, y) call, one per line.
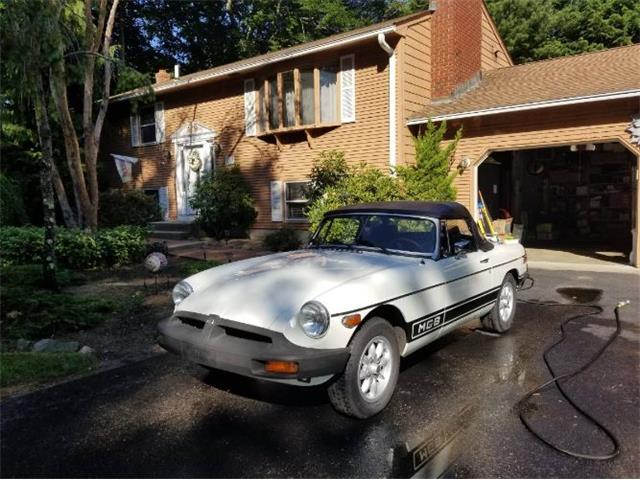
point(268, 290)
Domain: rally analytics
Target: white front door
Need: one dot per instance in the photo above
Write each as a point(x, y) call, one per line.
point(192, 161)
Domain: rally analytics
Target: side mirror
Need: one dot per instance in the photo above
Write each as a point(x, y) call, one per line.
point(461, 247)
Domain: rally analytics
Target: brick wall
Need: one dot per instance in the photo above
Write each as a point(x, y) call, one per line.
point(456, 42)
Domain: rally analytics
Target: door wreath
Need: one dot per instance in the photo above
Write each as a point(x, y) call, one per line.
point(195, 162)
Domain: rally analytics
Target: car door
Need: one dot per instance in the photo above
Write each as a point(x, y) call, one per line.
point(468, 274)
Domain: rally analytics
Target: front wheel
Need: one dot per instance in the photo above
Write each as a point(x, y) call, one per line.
point(500, 318)
point(369, 379)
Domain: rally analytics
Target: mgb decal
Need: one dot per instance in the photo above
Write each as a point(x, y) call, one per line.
point(422, 327)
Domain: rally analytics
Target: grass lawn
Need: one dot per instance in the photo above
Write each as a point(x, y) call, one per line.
point(191, 267)
point(18, 368)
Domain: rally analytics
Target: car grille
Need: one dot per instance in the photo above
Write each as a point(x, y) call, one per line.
point(234, 332)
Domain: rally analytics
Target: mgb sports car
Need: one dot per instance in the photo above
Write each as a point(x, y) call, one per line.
point(375, 283)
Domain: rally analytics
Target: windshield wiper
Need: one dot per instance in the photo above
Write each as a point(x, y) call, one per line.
point(367, 243)
point(334, 245)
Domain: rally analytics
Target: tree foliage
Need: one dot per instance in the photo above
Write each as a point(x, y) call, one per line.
point(431, 177)
point(363, 184)
point(539, 29)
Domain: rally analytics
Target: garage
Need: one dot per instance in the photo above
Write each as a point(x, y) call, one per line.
point(554, 148)
point(576, 198)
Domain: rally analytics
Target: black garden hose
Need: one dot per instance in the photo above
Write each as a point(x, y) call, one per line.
point(558, 380)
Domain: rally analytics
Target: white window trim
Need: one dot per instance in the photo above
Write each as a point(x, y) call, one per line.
point(285, 202)
point(139, 125)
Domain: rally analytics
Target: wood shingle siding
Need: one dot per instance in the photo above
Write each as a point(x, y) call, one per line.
point(220, 107)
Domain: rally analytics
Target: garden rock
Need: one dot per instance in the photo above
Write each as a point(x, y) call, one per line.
point(87, 350)
point(49, 345)
point(23, 345)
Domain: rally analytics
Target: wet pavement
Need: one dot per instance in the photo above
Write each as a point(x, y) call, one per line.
point(452, 415)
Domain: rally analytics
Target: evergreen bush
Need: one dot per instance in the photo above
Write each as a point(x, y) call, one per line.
point(224, 203)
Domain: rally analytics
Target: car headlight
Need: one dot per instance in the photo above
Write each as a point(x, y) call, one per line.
point(314, 319)
point(181, 291)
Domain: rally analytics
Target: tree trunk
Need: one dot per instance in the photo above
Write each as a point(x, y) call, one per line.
point(46, 186)
point(85, 182)
point(67, 212)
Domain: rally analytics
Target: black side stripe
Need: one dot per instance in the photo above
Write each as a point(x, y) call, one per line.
point(420, 290)
point(433, 321)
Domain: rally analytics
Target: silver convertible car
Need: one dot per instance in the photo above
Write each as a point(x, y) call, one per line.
point(375, 283)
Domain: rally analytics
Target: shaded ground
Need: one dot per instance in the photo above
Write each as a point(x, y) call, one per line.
point(455, 401)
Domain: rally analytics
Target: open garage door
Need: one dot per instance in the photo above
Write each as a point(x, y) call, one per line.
point(569, 202)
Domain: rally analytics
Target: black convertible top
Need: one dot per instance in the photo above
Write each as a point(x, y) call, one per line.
point(440, 210)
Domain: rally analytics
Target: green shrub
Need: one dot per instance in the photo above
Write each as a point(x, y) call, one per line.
point(121, 245)
point(364, 184)
point(12, 211)
point(18, 368)
point(31, 313)
point(328, 169)
point(76, 249)
point(127, 207)
point(224, 204)
point(282, 240)
point(431, 177)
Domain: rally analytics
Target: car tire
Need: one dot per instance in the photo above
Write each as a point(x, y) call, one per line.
point(375, 356)
point(500, 318)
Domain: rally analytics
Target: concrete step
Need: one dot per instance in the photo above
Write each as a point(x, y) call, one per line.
point(170, 235)
point(171, 226)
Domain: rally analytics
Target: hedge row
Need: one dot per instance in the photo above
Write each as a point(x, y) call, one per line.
point(75, 249)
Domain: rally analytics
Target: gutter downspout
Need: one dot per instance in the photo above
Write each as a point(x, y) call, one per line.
point(392, 97)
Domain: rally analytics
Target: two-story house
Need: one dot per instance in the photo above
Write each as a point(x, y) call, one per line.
point(537, 137)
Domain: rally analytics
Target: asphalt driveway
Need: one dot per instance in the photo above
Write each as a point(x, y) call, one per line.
point(453, 412)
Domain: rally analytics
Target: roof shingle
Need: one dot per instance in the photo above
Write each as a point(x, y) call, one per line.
point(590, 74)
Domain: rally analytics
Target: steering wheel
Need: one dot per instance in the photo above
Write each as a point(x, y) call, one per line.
point(413, 245)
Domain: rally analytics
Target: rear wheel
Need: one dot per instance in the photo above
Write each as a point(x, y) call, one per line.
point(369, 379)
point(500, 318)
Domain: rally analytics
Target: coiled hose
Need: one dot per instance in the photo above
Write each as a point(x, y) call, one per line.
point(557, 379)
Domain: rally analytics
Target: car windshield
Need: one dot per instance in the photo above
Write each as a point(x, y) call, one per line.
point(387, 233)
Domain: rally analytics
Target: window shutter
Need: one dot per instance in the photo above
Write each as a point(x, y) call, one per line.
point(159, 111)
point(347, 89)
point(135, 130)
point(163, 200)
point(276, 201)
point(250, 107)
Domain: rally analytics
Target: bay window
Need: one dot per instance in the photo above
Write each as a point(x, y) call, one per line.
point(274, 104)
point(328, 95)
point(307, 111)
point(298, 98)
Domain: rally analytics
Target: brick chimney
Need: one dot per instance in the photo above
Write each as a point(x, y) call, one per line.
point(162, 76)
point(455, 44)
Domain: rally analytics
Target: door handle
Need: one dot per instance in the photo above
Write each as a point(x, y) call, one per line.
point(484, 260)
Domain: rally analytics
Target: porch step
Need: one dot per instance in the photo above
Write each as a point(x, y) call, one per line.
point(172, 230)
point(176, 246)
point(172, 226)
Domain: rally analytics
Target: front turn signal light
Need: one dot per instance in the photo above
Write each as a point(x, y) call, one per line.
point(351, 321)
point(280, 366)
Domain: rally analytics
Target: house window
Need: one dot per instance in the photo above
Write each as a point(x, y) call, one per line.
point(274, 111)
point(299, 98)
point(296, 201)
point(289, 99)
point(328, 95)
point(148, 124)
point(307, 102)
